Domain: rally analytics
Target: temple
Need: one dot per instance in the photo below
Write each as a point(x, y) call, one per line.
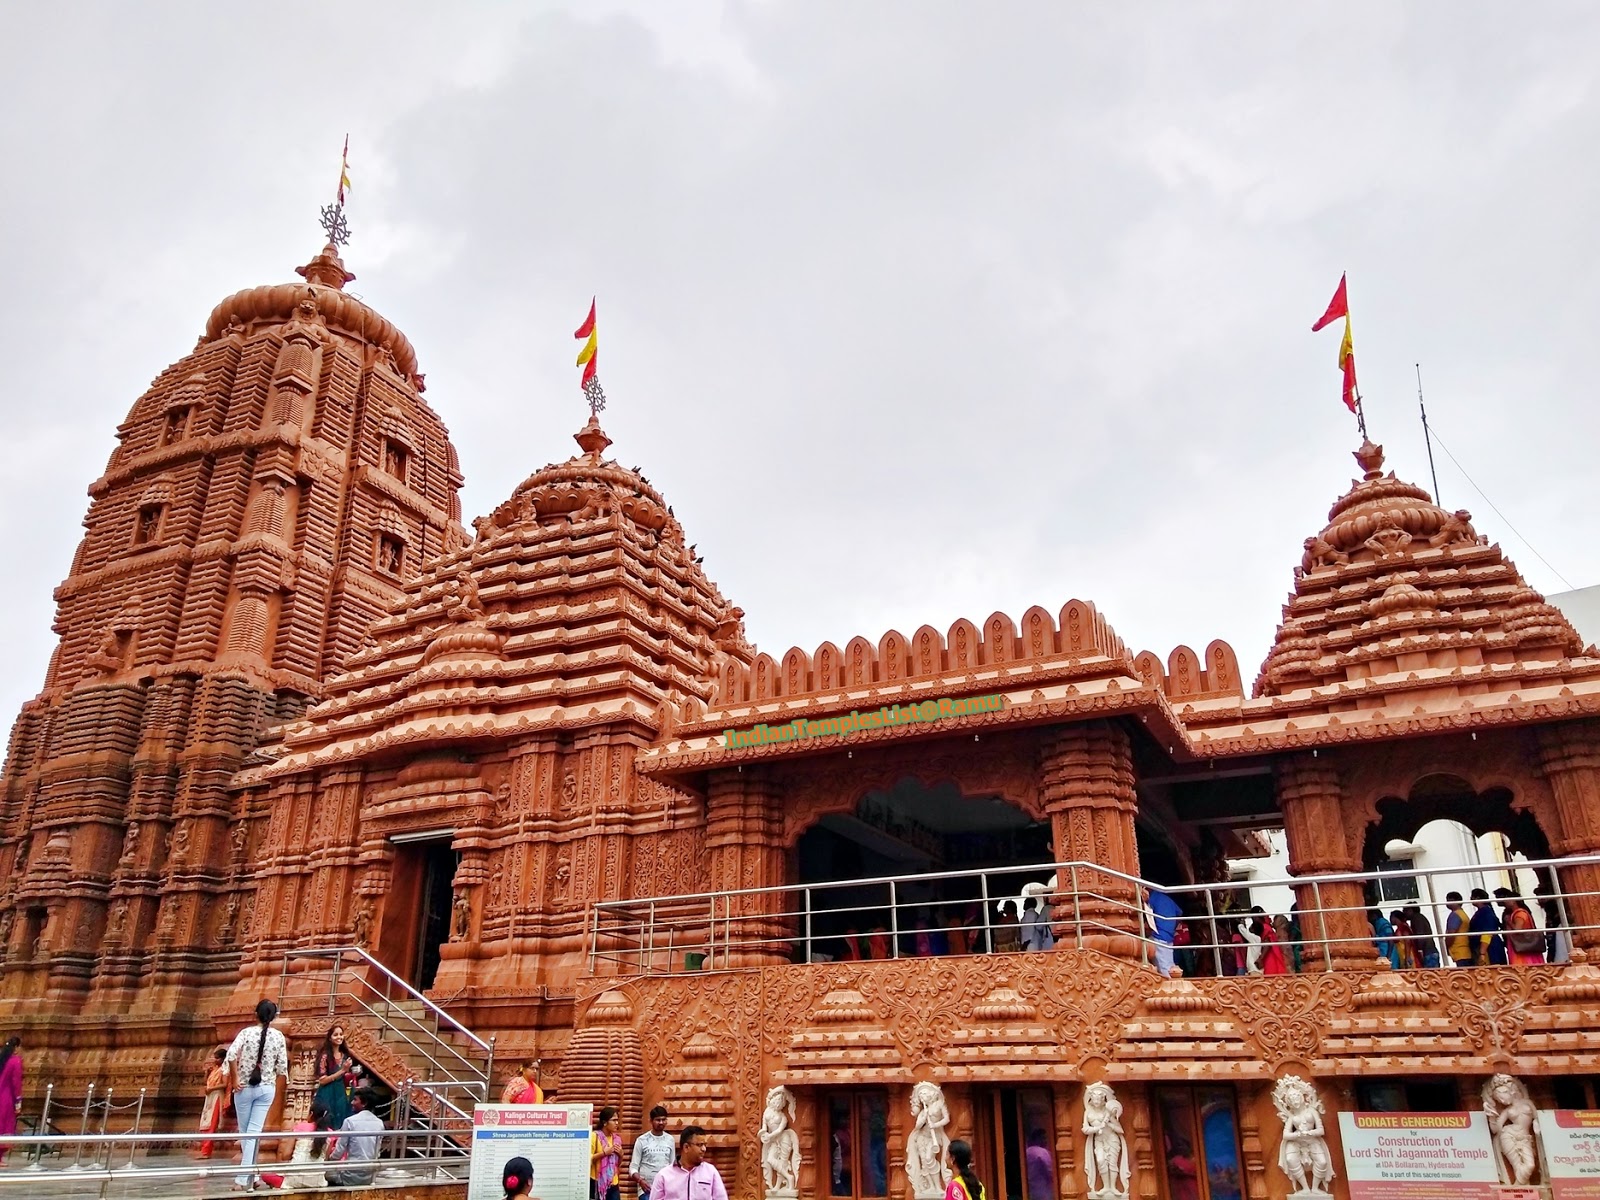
point(306, 736)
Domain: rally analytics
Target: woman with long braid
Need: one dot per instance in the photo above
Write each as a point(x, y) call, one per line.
point(255, 1060)
point(964, 1184)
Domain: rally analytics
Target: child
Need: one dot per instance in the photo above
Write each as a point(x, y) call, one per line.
point(216, 1099)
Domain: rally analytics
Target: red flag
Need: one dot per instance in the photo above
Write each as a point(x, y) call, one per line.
point(588, 356)
point(1338, 307)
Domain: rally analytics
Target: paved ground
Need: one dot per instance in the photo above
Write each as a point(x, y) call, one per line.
point(57, 1181)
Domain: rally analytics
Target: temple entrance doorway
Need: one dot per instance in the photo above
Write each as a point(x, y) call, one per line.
point(933, 832)
point(417, 912)
point(1014, 1143)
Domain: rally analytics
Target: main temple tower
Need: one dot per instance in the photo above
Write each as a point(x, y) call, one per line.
point(268, 495)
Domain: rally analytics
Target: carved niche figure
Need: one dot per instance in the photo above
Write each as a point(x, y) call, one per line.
point(461, 924)
point(563, 875)
point(569, 791)
point(1303, 1154)
point(363, 929)
point(119, 919)
point(7, 920)
point(1511, 1116)
point(780, 1144)
point(927, 1143)
point(1105, 1151)
point(241, 833)
point(180, 842)
point(230, 920)
point(130, 843)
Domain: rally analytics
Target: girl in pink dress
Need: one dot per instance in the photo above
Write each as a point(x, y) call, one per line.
point(10, 1089)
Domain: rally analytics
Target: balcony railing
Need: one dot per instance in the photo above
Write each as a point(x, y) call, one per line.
point(1091, 906)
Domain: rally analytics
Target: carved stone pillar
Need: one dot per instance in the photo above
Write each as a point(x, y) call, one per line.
point(744, 830)
point(1086, 785)
point(1069, 1117)
point(1311, 799)
point(1569, 753)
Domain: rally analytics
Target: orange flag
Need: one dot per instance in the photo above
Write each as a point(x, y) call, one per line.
point(587, 356)
point(1338, 307)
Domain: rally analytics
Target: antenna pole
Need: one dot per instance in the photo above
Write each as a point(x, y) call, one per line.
point(1427, 437)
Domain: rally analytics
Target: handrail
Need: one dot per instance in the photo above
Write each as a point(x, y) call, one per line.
point(337, 953)
point(712, 926)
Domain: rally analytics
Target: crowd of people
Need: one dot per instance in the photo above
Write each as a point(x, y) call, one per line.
point(343, 1128)
point(1258, 943)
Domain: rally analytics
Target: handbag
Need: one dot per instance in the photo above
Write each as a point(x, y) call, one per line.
point(1526, 941)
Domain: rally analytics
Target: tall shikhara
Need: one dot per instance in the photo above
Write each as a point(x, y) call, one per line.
point(269, 495)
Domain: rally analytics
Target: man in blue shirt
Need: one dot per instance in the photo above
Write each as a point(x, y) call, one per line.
point(1164, 914)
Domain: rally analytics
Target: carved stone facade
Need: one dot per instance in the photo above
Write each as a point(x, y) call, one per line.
point(295, 706)
point(231, 561)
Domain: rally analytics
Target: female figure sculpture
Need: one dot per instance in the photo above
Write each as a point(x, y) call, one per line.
point(1303, 1154)
point(780, 1144)
point(1105, 1157)
point(927, 1142)
point(1511, 1115)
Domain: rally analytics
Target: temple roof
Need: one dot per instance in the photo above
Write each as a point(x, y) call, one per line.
point(325, 277)
point(1403, 619)
point(578, 604)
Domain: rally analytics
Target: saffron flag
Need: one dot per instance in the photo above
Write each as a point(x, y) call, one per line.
point(588, 356)
point(1338, 307)
point(344, 170)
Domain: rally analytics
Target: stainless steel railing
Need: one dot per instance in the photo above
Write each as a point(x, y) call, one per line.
point(1086, 904)
point(459, 1065)
point(90, 1163)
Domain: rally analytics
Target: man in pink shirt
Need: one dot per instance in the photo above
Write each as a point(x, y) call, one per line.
point(692, 1177)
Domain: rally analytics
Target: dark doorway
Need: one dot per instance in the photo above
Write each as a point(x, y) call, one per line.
point(1014, 1143)
point(438, 870)
point(912, 829)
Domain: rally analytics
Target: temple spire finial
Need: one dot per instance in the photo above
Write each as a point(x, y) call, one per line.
point(333, 220)
point(1370, 458)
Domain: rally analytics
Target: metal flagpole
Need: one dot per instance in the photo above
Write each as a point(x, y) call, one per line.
point(1427, 437)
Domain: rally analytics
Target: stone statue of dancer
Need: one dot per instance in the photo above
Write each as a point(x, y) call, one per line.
point(1511, 1116)
point(1105, 1157)
point(780, 1144)
point(1303, 1154)
point(927, 1143)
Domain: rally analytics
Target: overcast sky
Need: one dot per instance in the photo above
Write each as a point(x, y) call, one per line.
point(912, 310)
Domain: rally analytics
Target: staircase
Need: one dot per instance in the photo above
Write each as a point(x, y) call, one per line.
point(437, 1067)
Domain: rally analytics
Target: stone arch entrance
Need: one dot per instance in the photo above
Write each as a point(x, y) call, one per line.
point(1443, 797)
point(957, 849)
point(1472, 836)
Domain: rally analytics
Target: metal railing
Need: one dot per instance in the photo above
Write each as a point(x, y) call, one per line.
point(93, 1162)
point(457, 1066)
point(92, 1103)
point(1085, 904)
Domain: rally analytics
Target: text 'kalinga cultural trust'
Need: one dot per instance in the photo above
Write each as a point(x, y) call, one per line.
point(910, 714)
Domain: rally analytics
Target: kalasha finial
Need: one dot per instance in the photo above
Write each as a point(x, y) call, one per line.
point(1370, 457)
point(589, 360)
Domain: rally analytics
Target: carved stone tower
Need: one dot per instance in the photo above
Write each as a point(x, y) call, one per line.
point(268, 495)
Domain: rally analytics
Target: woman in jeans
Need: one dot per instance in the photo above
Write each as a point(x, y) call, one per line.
point(255, 1060)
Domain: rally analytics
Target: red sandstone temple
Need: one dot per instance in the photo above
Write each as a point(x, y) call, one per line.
point(305, 735)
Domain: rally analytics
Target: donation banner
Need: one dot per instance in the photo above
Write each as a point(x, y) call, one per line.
point(553, 1137)
point(1571, 1140)
point(1419, 1156)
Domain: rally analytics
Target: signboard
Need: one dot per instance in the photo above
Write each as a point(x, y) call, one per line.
point(553, 1137)
point(1419, 1156)
point(1571, 1140)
